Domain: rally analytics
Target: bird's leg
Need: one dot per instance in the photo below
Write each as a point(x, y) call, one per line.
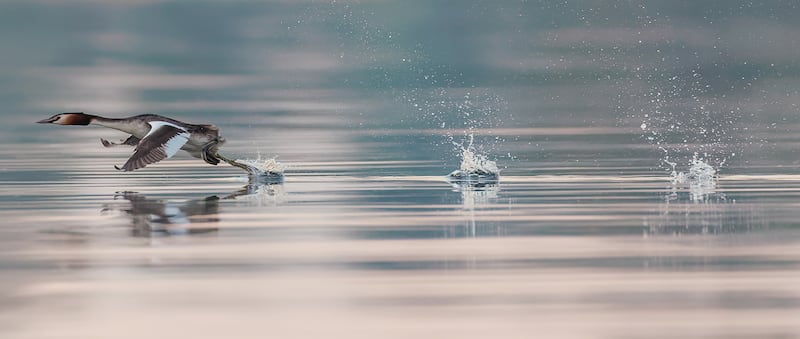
point(234, 163)
point(253, 172)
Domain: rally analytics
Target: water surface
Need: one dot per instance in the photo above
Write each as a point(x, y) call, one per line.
point(583, 236)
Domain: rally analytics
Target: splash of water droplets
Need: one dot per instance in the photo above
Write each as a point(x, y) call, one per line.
point(475, 163)
point(259, 166)
point(699, 173)
point(475, 166)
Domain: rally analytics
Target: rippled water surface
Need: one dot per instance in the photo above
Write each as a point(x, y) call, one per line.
point(368, 105)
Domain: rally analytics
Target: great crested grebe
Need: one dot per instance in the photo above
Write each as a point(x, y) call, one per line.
point(156, 138)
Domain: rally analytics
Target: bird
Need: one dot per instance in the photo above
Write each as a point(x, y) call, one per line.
point(155, 137)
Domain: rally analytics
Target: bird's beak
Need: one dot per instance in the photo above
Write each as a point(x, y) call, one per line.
point(47, 121)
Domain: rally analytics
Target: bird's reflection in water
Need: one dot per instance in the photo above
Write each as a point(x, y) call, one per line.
point(156, 217)
point(259, 193)
point(164, 217)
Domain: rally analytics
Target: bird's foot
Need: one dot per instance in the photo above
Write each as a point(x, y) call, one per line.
point(209, 153)
point(131, 141)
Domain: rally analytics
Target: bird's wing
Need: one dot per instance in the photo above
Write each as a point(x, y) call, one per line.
point(162, 142)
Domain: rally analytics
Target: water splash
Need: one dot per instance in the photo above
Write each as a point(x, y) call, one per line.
point(475, 167)
point(261, 170)
point(474, 163)
point(700, 179)
point(459, 113)
point(699, 173)
point(683, 112)
point(263, 166)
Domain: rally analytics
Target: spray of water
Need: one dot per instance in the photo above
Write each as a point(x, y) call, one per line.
point(699, 181)
point(682, 112)
point(700, 173)
point(269, 166)
point(475, 166)
point(257, 168)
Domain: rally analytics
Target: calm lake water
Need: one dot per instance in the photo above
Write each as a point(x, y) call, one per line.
point(582, 105)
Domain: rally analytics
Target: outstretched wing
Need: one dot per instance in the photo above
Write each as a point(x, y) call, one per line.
point(162, 142)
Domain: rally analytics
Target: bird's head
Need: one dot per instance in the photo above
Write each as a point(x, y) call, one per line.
point(68, 119)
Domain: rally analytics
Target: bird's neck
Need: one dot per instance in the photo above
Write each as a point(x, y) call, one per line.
point(130, 126)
